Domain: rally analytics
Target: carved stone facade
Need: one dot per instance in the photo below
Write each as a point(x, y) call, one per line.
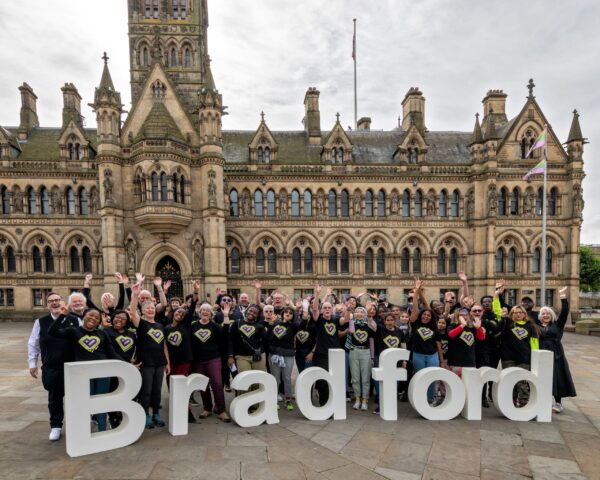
point(168, 192)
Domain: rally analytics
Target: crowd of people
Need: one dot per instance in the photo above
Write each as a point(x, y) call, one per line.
point(181, 336)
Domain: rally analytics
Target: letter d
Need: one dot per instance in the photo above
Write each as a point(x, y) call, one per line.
point(80, 405)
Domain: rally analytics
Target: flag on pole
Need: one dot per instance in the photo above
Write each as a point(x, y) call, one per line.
point(354, 42)
point(540, 142)
point(539, 168)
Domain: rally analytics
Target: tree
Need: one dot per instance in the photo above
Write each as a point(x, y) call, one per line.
point(589, 270)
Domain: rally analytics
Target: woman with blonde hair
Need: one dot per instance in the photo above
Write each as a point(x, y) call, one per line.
point(552, 329)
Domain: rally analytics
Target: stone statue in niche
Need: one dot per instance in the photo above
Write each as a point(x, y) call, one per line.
point(283, 204)
point(578, 202)
point(108, 186)
point(18, 201)
point(528, 203)
point(395, 203)
point(198, 257)
point(130, 253)
point(320, 204)
point(245, 204)
point(492, 199)
point(94, 201)
point(356, 204)
point(430, 205)
point(212, 193)
point(471, 204)
point(56, 202)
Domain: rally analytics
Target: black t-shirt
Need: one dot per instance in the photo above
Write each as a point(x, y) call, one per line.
point(360, 336)
point(327, 334)
point(424, 339)
point(206, 340)
point(123, 343)
point(150, 344)
point(515, 341)
point(281, 336)
point(306, 337)
point(444, 341)
point(461, 348)
point(94, 345)
point(385, 338)
point(178, 343)
point(246, 337)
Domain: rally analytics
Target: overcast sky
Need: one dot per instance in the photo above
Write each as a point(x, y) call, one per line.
point(266, 53)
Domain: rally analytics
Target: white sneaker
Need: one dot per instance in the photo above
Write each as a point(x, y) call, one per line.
point(558, 408)
point(55, 434)
point(279, 397)
point(365, 405)
point(356, 405)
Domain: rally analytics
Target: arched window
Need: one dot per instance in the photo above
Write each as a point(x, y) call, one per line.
point(500, 260)
point(154, 181)
point(258, 203)
point(455, 205)
point(334, 155)
point(333, 261)
point(182, 189)
point(418, 203)
point(537, 260)
point(148, 9)
point(49, 258)
point(175, 187)
point(453, 263)
point(308, 260)
point(187, 56)
point(502, 200)
point(234, 207)
point(31, 204)
point(141, 181)
point(87, 259)
point(307, 203)
point(84, 202)
point(272, 257)
point(5, 201)
point(332, 203)
point(75, 263)
point(539, 202)
point(514, 202)
point(296, 261)
point(164, 188)
point(441, 261)
point(369, 261)
point(1, 263)
point(270, 203)
point(70, 201)
point(267, 155)
point(405, 261)
point(235, 260)
point(173, 58)
point(11, 261)
point(417, 261)
point(37, 259)
point(295, 203)
point(381, 260)
point(341, 155)
point(443, 205)
point(71, 151)
point(549, 260)
point(44, 201)
point(369, 204)
point(155, 8)
point(512, 260)
point(345, 203)
point(261, 155)
point(260, 260)
point(381, 203)
point(344, 261)
point(524, 148)
point(406, 203)
point(145, 57)
point(78, 151)
point(552, 201)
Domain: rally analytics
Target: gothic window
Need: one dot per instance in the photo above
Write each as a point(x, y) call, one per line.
point(235, 260)
point(11, 261)
point(308, 260)
point(31, 204)
point(148, 9)
point(369, 261)
point(441, 261)
point(173, 58)
point(539, 202)
point(78, 151)
point(537, 260)
point(453, 264)
point(234, 206)
point(175, 8)
point(502, 200)
point(164, 188)
point(455, 205)
point(406, 203)
point(272, 260)
point(1, 263)
point(332, 204)
point(381, 203)
point(175, 187)
point(526, 143)
point(443, 205)
point(418, 203)
point(5, 194)
point(70, 201)
point(512, 260)
point(261, 155)
point(552, 201)
point(75, 263)
point(49, 258)
point(260, 260)
point(183, 8)
point(145, 57)
point(341, 155)
point(295, 203)
point(155, 8)
point(369, 204)
point(182, 189)
point(380, 260)
point(345, 203)
point(187, 57)
point(417, 261)
point(71, 151)
point(37, 259)
point(333, 261)
point(270, 203)
point(404, 261)
point(514, 202)
point(334, 155)
point(549, 260)
point(154, 182)
point(84, 202)
point(500, 260)
point(44, 201)
point(307, 203)
point(344, 261)
point(267, 155)
point(87, 259)
point(258, 203)
point(296, 261)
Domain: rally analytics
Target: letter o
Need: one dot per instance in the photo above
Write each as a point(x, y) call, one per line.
point(455, 394)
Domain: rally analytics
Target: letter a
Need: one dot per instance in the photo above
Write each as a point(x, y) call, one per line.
point(265, 396)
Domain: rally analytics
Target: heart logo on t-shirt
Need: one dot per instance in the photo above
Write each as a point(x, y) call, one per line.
point(391, 342)
point(124, 342)
point(203, 334)
point(445, 346)
point(520, 332)
point(425, 333)
point(156, 335)
point(330, 328)
point(90, 343)
point(361, 336)
point(279, 331)
point(175, 338)
point(302, 335)
point(248, 330)
point(468, 338)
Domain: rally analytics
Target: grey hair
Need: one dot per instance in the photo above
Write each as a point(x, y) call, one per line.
point(146, 303)
point(549, 311)
point(76, 295)
point(206, 306)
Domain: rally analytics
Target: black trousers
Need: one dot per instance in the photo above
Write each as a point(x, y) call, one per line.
point(152, 380)
point(53, 380)
point(320, 360)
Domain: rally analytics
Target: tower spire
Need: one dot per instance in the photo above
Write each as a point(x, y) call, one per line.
point(575, 131)
point(477, 134)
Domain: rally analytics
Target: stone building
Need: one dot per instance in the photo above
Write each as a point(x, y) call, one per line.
point(169, 192)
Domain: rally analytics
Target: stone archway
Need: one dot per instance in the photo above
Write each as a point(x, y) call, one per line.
point(167, 268)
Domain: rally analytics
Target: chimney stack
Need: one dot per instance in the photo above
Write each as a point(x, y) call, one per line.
point(29, 117)
point(364, 123)
point(312, 116)
point(71, 105)
point(413, 110)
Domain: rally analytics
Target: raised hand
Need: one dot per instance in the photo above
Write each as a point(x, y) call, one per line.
point(167, 285)
point(125, 280)
point(139, 278)
point(257, 284)
point(462, 276)
point(196, 286)
point(319, 288)
point(477, 322)
point(137, 288)
point(500, 284)
point(64, 310)
point(157, 281)
point(563, 292)
point(418, 283)
point(462, 320)
point(87, 280)
point(119, 277)
point(226, 308)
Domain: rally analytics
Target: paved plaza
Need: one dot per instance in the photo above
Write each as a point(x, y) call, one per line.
point(362, 447)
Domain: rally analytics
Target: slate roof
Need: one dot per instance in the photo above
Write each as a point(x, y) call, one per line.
point(42, 144)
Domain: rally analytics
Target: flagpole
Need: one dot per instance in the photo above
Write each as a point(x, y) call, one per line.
point(355, 89)
point(544, 221)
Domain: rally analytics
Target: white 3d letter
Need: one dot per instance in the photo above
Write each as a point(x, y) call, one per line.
point(180, 389)
point(474, 379)
point(265, 396)
point(388, 376)
point(335, 377)
point(540, 383)
point(455, 394)
point(80, 405)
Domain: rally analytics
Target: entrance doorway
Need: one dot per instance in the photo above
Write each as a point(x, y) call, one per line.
point(168, 269)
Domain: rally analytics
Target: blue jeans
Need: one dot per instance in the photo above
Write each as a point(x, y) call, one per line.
point(98, 386)
point(421, 361)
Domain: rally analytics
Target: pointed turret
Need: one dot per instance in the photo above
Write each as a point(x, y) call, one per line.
point(575, 142)
point(477, 136)
point(575, 131)
point(108, 108)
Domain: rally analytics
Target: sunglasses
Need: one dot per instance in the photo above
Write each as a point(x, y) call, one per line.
point(226, 300)
point(477, 311)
